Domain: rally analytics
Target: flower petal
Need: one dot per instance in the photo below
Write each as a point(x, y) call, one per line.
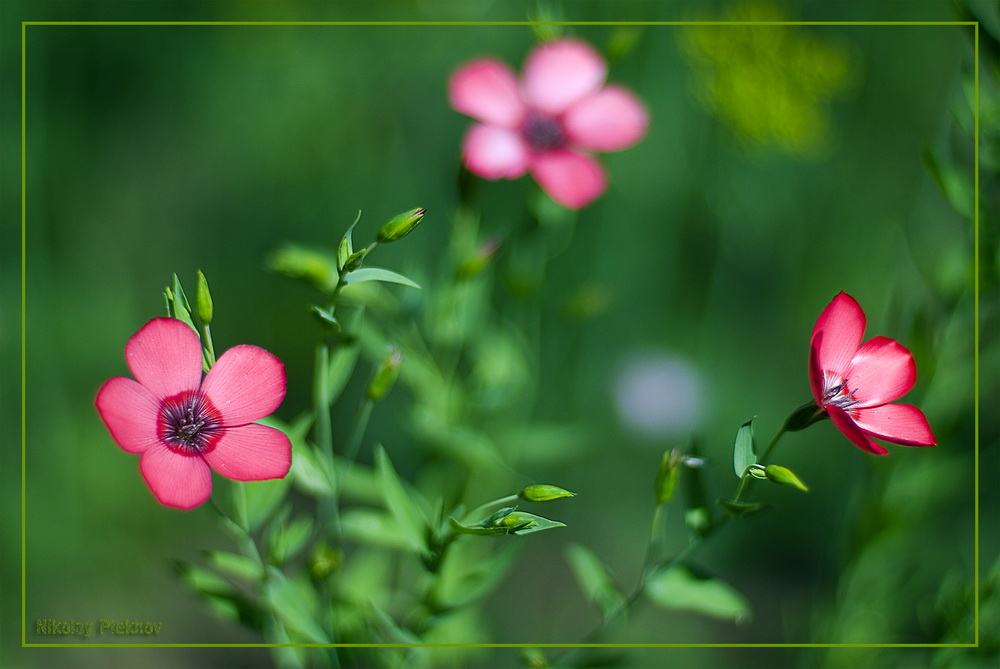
point(165, 356)
point(571, 179)
point(251, 453)
point(487, 90)
point(177, 479)
point(899, 423)
point(846, 424)
point(842, 324)
point(130, 411)
point(816, 376)
point(611, 119)
point(559, 73)
point(882, 370)
point(493, 152)
point(245, 384)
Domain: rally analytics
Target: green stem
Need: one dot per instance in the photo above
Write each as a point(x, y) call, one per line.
point(209, 347)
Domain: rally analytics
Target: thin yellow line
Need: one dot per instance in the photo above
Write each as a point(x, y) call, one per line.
point(501, 23)
point(24, 339)
point(500, 645)
point(975, 372)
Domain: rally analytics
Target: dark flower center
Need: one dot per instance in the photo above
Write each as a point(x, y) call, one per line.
point(840, 396)
point(189, 423)
point(543, 132)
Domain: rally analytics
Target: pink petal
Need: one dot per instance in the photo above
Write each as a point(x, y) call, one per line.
point(842, 324)
point(882, 370)
point(251, 453)
point(493, 152)
point(245, 384)
point(899, 423)
point(165, 356)
point(611, 119)
point(130, 411)
point(816, 376)
point(487, 90)
point(559, 73)
point(177, 479)
point(846, 424)
point(571, 179)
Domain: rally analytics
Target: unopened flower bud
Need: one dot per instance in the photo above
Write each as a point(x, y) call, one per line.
point(804, 416)
point(203, 300)
point(543, 493)
point(666, 479)
point(385, 375)
point(784, 476)
point(400, 225)
point(354, 260)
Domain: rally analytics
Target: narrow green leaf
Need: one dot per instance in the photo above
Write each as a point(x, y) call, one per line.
point(377, 274)
point(677, 588)
point(233, 564)
point(400, 501)
point(288, 540)
point(534, 523)
point(342, 363)
point(294, 603)
point(262, 498)
point(594, 579)
point(477, 530)
point(373, 528)
point(744, 453)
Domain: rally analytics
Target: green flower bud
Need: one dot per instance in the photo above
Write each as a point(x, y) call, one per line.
point(784, 476)
point(543, 493)
point(666, 479)
point(385, 375)
point(203, 300)
point(355, 260)
point(312, 266)
point(804, 416)
point(514, 521)
point(324, 561)
point(400, 225)
point(757, 471)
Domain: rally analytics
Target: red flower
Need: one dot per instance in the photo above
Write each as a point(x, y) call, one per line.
point(185, 427)
point(854, 382)
point(547, 122)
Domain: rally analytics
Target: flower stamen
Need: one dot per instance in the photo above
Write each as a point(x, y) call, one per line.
point(188, 423)
point(543, 133)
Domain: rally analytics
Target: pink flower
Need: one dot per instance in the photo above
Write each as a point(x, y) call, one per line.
point(548, 121)
point(854, 382)
point(185, 427)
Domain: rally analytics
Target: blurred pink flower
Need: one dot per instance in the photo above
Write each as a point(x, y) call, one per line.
point(185, 427)
point(549, 121)
point(854, 382)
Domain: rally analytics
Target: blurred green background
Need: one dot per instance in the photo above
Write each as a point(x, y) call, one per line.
point(782, 165)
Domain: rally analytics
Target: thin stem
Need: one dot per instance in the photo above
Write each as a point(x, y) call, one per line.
point(478, 512)
point(209, 347)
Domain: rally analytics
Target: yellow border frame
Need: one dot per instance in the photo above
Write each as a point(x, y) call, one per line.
point(24, 627)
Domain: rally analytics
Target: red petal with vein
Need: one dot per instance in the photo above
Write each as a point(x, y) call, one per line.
point(130, 411)
point(899, 423)
point(245, 384)
point(178, 480)
point(165, 356)
point(881, 371)
point(251, 453)
point(611, 119)
point(493, 152)
point(487, 90)
point(842, 324)
point(559, 73)
point(845, 424)
point(571, 179)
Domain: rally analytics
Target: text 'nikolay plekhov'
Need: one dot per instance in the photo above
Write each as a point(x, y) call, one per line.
point(53, 627)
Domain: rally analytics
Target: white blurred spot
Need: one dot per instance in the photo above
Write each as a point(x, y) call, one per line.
point(659, 395)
